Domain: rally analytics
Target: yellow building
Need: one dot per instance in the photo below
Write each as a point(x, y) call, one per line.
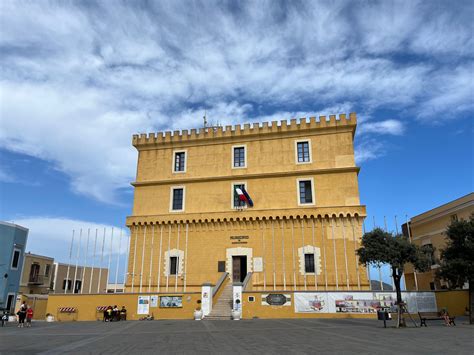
point(189, 225)
point(36, 277)
point(428, 229)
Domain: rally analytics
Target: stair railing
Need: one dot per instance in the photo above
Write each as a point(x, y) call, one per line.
point(220, 282)
point(246, 281)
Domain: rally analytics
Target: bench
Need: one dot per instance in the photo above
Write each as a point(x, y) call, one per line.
point(427, 316)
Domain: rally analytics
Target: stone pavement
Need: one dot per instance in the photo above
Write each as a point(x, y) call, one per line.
point(259, 336)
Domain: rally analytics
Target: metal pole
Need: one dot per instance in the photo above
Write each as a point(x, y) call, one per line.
point(125, 264)
point(143, 258)
point(77, 262)
point(185, 259)
point(101, 262)
point(93, 262)
point(110, 256)
point(118, 262)
point(273, 255)
point(168, 261)
point(345, 252)
point(293, 247)
point(85, 261)
point(283, 252)
point(409, 237)
point(324, 254)
point(367, 266)
point(304, 264)
point(386, 230)
point(159, 258)
point(69, 264)
point(151, 256)
point(178, 261)
point(334, 250)
point(355, 253)
point(264, 258)
point(316, 263)
point(134, 256)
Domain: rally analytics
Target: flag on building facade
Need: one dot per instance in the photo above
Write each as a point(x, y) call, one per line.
point(244, 196)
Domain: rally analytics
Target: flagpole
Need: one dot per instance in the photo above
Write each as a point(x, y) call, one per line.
point(77, 262)
point(409, 237)
point(110, 258)
point(386, 230)
point(93, 262)
point(367, 266)
point(125, 264)
point(101, 262)
point(159, 258)
point(143, 258)
point(69, 264)
point(118, 262)
point(85, 262)
point(151, 256)
point(302, 241)
point(378, 266)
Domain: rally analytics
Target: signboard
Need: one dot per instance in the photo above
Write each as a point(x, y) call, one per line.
point(154, 301)
point(311, 302)
point(276, 299)
point(239, 239)
point(171, 301)
point(257, 264)
point(143, 305)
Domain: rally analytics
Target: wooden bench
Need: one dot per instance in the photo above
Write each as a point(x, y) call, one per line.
point(427, 316)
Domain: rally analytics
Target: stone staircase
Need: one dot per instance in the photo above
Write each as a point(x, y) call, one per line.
point(221, 310)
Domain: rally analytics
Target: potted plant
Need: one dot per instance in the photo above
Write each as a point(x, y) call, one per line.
point(198, 311)
point(236, 313)
point(49, 317)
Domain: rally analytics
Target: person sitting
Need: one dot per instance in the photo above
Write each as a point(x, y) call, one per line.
point(123, 313)
point(445, 316)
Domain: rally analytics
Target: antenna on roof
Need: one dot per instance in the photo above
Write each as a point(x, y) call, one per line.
point(205, 119)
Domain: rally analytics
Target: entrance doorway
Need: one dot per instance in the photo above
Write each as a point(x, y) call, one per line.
point(239, 268)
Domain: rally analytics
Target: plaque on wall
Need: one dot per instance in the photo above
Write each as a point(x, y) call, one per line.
point(257, 264)
point(221, 266)
point(276, 299)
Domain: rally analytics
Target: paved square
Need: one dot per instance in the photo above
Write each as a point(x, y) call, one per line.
point(247, 336)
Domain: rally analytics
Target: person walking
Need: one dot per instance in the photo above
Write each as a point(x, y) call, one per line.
point(29, 316)
point(22, 314)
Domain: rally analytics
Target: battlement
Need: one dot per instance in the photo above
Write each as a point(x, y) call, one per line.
point(295, 125)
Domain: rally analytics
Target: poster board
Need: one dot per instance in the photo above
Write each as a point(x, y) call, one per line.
point(143, 305)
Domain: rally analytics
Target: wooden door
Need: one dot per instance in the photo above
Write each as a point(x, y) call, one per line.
point(236, 268)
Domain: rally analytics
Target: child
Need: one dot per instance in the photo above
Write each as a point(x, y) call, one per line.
point(29, 316)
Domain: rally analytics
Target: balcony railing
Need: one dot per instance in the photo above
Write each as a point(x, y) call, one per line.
point(36, 280)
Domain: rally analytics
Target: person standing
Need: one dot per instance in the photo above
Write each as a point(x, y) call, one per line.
point(22, 315)
point(29, 316)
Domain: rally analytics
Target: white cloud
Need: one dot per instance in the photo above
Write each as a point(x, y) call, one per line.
point(84, 77)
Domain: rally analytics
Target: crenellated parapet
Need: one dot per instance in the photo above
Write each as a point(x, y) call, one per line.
point(247, 130)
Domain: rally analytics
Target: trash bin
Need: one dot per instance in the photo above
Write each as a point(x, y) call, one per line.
point(385, 316)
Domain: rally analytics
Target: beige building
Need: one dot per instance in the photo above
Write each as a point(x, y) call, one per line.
point(85, 280)
point(428, 229)
point(192, 220)
point(36, 277)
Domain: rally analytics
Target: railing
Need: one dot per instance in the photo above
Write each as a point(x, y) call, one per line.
point(246, 281)
point(219, 283)
point(36, 279)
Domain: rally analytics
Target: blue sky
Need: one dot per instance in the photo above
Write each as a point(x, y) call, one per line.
point(79, 78)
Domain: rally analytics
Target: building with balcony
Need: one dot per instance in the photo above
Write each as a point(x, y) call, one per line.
point(13, 240)
point(428, 228)
point(279, 202)
point(69, 279)
point(37, 274)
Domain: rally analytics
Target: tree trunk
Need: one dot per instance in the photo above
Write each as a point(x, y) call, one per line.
point(396, 281)
point(471, 301)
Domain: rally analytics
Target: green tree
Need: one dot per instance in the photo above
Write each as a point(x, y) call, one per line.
point(379, 247)
point(457, 259)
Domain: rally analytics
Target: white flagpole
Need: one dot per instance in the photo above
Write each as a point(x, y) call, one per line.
point(159, 259)
point(93, 262)
point(409, 237)
point(386, 230)
point(143, 258)
point(264, 256)
point(403, 275)
point(151, 256)
point(334, 250)
point(185, 258)
point(367, 266)
point(101, 262)
point(324, 254)
point(283, 252)
point(83, 284)
point(110, 258)
point(118, 261)
point(168, 261)
point(345, 252)
point(77, 262)
point(355, 252)
point(134, 256)
point(316, 264)
point(379, 267)
point(125, 264)
point(69, 264)
point(302, 241)
point(293, 252)
point(273, 255)
point(177, 263)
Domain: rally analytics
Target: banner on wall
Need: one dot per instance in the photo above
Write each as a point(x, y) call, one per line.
point(154, 301)
point(143, 305)
point(361, 302)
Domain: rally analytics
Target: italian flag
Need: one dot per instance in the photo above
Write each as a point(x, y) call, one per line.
point(244, 196)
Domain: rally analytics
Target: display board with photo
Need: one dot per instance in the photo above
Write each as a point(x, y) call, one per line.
point(171, 301)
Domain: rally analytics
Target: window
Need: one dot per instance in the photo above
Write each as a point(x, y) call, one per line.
point(69, 284)
point(177, 199)
point(432, 286)
point(428, 248)
point(16, 258)
point(77, 286)
point(454, 218)
point(46, 271)
point(179, 163)
point(239, 157)
point(303, 154)
point(173, 265)
point(309, 263)
point(237, 202)
point(305, 192)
